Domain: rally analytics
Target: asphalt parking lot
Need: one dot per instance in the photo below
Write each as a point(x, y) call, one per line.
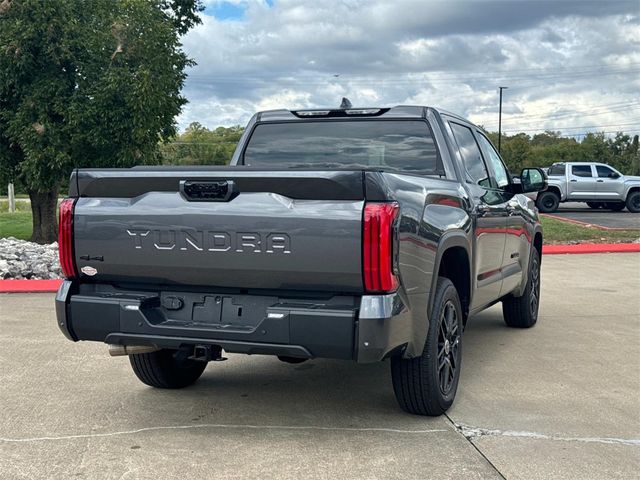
point(601, 217)
point(558, 401)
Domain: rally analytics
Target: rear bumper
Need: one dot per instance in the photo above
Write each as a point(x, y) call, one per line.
point(365, 329)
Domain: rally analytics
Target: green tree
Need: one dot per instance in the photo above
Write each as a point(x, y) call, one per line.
point(201, 146)
point(543, 149)
point(86, 84)
point(515, 151)
point(595, 148)
point(547, 138)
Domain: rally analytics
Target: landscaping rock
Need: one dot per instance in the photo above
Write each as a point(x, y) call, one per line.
point(21, 259)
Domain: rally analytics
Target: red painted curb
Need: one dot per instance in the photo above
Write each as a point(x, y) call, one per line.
point(591, 248)
point(29, 286)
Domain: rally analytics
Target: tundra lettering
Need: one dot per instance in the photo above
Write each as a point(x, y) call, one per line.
point(212, 241)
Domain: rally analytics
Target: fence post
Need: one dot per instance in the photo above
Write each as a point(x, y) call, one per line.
point(12, 198)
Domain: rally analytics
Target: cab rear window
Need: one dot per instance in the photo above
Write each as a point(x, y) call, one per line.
point(401, 145)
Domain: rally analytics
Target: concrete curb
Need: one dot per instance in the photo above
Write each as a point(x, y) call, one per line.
point(34, 286)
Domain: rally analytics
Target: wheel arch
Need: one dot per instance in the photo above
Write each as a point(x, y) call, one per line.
point(632, 189)
point(555, 189)
point(453, 261)
point(537, 240)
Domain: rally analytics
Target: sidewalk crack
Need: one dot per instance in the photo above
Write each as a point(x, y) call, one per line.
point(476, 448)
point(476, 432)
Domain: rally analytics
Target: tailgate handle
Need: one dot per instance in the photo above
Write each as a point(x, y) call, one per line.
point(209, 191)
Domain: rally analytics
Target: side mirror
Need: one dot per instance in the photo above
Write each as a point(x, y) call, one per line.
point(533, 180)
point(614, 175)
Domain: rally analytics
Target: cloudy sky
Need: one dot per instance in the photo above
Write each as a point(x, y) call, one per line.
point(569, 65)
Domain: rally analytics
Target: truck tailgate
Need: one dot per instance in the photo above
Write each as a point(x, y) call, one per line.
point(276, 230)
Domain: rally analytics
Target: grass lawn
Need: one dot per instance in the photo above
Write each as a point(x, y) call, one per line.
point(555, 231)
point(16, 225)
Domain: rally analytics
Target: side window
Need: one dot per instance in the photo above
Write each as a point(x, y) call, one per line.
point(557, 170)
point(502, 176)
point(604, 172)
point(581, 170)
point(471, 157)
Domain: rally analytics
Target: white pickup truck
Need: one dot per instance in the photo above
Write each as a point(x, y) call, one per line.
point(596, 184)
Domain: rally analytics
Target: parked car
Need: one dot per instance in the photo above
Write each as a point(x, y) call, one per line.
point(596, 184)
point(355, 234)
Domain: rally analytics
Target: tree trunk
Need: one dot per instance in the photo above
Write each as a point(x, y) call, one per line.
point(45, 222)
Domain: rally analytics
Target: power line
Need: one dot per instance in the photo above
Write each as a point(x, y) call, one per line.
point(451, 73)
point(419, 78)
point(439, 74)
point(637, 123)
point(596, 110)
point(626, 132)
point(542, 118)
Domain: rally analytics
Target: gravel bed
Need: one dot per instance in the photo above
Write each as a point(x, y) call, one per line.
point(22, 259)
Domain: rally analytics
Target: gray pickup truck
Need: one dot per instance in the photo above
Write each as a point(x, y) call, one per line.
point(356, 234)
point(596, 184)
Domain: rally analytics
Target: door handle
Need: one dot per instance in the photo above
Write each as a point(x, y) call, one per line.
point(599, 181)
point(574, 180)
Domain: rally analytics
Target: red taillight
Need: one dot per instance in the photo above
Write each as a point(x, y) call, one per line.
point(65, 238)
point(378, 247)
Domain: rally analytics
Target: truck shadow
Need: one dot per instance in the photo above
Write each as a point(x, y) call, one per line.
point(264, 390)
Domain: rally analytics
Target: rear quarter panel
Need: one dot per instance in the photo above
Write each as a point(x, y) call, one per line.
point(429, 208)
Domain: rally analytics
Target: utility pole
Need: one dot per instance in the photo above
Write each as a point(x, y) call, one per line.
point(500, 119)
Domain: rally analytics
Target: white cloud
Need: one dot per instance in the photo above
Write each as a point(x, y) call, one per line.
point(566, 63)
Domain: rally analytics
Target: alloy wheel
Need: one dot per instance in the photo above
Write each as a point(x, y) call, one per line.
point(448, 347)
point(548, 202)
point(534, 295)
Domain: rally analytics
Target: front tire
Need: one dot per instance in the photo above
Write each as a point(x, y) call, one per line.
point(427, 385)
point(548, 202)
point(633, 202)
point(166, 368)
point(522, 311)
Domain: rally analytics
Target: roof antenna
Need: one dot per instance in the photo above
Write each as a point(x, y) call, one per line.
point(345, 103)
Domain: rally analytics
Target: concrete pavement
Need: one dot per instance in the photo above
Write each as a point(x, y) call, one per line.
point(561, 400)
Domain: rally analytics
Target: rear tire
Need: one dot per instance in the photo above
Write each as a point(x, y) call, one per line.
point(594, 205)
point(548, 202)
point(633, 202)
point(522, 312)
point(426, 385)
point(166, 368)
